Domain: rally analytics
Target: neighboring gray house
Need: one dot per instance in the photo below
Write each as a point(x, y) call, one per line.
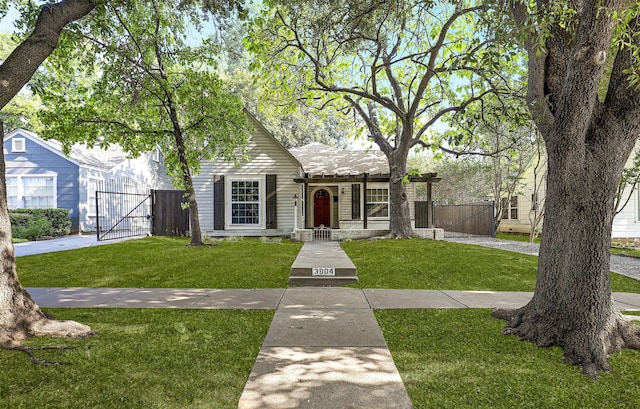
point(39, 175)
point(279, 192)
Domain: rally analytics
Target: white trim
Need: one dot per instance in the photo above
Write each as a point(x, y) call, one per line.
point(376, 186)
point(20, 185)
point(262, 201)
point(312, 206)
point(18, 145)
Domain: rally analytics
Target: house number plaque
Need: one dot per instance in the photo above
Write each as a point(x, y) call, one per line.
point(323, 271)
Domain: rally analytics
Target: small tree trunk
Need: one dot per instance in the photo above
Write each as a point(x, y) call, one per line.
point(194, 218)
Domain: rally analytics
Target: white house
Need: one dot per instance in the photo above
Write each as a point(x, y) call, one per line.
point(626, 224)
point(279, 192)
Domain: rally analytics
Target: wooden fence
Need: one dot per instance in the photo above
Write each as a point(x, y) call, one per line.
point(475, 219)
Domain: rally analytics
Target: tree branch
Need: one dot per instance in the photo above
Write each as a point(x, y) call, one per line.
point(22, 63)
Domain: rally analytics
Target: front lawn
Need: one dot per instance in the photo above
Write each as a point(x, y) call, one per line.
point(201, 358)
point(163, 262)
point(140, 359)
point(440, 265)
point(459, 359)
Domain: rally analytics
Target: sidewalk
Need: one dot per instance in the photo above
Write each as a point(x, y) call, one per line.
point(278, 298)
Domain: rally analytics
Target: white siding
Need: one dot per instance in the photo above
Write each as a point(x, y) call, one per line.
point(626, 224)
point(266, 156)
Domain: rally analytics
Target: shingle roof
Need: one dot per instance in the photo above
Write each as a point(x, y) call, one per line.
point(318, 159)
point(94, 157)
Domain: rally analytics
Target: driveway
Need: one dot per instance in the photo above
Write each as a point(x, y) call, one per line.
point(627, 266)
point(61, 243)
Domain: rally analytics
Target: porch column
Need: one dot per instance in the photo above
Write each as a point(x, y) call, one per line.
point(364, 186)
point(429, 206)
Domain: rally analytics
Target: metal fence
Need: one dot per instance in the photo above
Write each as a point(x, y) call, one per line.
point(123, 209)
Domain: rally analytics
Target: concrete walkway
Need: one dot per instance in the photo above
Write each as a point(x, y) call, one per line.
point(279, 298)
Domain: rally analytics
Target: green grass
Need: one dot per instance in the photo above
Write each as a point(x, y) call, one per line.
point(629, 252)
point(151, 358)
point(459, 359)
point(163, 262)
point(517, 237)
point(140, 359)
point(439, 265)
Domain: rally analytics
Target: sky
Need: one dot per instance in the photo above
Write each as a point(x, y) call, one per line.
point(6, 23)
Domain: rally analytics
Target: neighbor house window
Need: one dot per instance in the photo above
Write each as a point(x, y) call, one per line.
point(18, 145)
point(29, 192)
point(39, 193)
point(92, 188)
point(378, 202)
point(245, 202)
point(12, 193)
point(510, 208)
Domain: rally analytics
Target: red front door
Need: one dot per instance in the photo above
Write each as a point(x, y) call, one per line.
point(322, 208)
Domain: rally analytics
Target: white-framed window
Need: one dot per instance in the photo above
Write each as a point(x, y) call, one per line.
point(31, 192)
point(510, 208)
point(18, 145)
point(378, 202)
point(92, 187)
point(155, 154)
point(12, 192)
point(245, 202)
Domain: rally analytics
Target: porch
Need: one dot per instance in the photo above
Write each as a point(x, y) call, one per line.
point(328, 234)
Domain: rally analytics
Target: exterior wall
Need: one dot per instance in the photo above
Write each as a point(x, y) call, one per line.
point(345, 221)
point(359, 234)
point(525, 205)
point(267, 157)
point(38, 160)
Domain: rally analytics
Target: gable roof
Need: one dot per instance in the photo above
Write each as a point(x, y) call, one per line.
point(255, 122)
point(318, 159)
point(93, 157)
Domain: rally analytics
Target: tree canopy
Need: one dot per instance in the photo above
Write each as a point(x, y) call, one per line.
point(401, 67)
point(143, 86)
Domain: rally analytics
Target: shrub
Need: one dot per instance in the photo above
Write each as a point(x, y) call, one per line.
point(32, 224)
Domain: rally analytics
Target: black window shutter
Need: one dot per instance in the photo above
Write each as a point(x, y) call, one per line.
point(272, 202)
point(218, 202)
point(355, 202)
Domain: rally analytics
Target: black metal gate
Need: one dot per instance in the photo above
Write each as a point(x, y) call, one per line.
point(476, 219)
point(122, 214)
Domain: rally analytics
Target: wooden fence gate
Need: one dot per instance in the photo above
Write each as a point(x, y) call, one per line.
point(476, 219)
point(170, 216)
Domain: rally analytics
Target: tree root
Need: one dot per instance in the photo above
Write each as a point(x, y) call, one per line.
point(34, 358)
point(585, 347)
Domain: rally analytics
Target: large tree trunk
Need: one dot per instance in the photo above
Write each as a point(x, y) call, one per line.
point(572, 305)
point(588, 142)
point(20, 316)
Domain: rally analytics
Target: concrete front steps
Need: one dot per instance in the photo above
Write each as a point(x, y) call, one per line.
point(322, 264)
